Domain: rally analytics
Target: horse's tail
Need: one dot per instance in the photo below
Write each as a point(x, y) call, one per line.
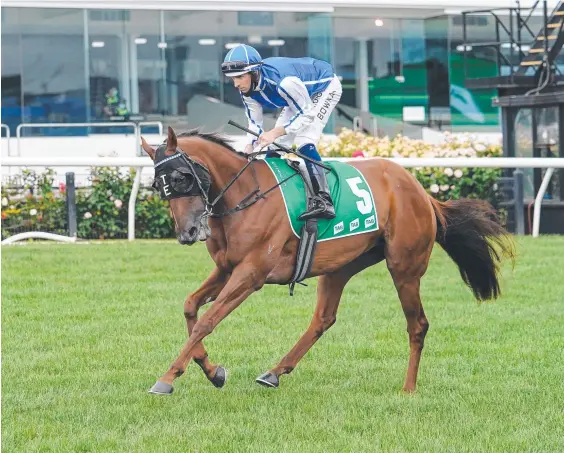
point(471, 233)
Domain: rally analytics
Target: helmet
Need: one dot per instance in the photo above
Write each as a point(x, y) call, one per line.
point(240, 60)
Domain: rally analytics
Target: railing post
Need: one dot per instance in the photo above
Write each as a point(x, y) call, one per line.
point(519, 204)
point(5, 126)
point(71, 205)
point(538, 201)
point(464, 42)
point(131, 206)
point(498, 47)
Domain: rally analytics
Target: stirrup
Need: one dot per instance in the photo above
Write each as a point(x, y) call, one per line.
point(320, 208)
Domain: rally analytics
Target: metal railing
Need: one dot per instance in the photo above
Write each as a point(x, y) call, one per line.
point(518, 25)
point(445, 162)
point(59, 125)
point(8, 136)
point(136, 130)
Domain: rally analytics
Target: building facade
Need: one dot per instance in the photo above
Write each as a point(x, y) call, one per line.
point(86, 61)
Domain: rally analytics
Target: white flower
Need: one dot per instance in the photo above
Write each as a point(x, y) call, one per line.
point(480, 147)
point(87, 215)
point(458, 173)
point(33, 212)
point(112, 198)
point(4, 201)
point(495, 187)
point(444, 187)
point(452, 187)
point(118, 204)
point(434, 188)
point(448, 171)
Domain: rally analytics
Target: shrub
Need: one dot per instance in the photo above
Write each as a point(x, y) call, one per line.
point(441, 183)
point(102, 211)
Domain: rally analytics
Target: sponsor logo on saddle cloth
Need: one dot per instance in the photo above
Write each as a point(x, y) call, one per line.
point(338, 228)
point(354, 203)
point(355, 224)
point(369, 221)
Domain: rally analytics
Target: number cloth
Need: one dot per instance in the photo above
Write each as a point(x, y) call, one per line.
point(352, 198)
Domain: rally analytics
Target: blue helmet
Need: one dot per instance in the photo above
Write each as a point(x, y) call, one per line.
point(240, 60)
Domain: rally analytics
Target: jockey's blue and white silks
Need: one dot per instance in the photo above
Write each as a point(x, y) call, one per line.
point(305, 88)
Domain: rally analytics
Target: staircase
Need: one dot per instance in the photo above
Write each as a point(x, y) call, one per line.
point(546, 45)
point(532, 53)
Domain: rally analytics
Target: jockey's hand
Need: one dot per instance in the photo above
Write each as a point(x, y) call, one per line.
point(267, 138)
point(248, 149)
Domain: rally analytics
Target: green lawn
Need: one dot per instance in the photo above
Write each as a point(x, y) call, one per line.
point(87, 329)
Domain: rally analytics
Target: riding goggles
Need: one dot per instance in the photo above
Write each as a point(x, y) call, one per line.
point(236, 67)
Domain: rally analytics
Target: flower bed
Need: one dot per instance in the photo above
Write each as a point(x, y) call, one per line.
point(441, 183)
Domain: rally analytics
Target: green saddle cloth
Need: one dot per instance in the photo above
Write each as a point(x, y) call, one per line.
point(354, 204)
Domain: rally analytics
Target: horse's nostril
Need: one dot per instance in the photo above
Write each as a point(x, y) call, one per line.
point(192, 231)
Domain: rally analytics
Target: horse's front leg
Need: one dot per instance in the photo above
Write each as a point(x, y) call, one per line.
point(208, 292)
point(246, 279)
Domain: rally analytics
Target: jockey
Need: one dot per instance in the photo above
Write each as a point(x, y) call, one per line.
point(307, 90)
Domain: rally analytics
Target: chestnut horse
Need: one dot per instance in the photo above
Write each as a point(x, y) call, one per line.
point(255, 245)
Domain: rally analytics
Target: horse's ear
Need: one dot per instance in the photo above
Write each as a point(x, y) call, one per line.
point(148, 148)
point(171, 143)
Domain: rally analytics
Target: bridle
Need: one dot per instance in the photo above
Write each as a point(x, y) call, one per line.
point(179, 188)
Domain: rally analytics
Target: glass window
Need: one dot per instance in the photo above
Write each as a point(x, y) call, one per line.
point(383, 61)
point(192, 64)
point(11, 70)
point(109, 63)
point(54, 83)
point(398, 69)
point(127, 63)
point(473, 107)
point(438, 83)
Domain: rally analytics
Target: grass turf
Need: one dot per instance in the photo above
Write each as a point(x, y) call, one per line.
point(87, 329)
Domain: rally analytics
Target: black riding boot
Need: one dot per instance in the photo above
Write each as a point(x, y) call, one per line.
point(321, 206)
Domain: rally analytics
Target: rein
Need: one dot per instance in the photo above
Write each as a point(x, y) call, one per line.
point(247, 201)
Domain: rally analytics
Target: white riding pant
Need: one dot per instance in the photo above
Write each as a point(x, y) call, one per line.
point(323, 104)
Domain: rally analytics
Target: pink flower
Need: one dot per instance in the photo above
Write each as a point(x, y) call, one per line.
point(358, 153)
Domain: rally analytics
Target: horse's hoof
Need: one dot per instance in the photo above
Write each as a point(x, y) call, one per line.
point(161, 388)
point(220, 377)
point(268, 380)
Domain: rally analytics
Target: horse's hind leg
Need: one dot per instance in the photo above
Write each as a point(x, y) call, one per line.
point(407, 259)
point(329, 290)
point(206, 293)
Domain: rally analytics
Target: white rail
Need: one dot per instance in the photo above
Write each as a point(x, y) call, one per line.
point(60, 125)
point(444, 162)
point(5, 126)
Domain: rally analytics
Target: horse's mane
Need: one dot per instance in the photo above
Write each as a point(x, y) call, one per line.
point(214, 137)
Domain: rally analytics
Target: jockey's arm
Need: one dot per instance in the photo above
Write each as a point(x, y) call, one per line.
point(296, 95)
point(253, 110)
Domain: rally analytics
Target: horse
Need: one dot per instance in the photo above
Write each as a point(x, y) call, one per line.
point(248, 236)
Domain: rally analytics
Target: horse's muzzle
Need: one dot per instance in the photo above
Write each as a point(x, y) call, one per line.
point(189, 237)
